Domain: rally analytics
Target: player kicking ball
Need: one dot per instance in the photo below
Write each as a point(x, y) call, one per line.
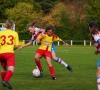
point(45, 49)
point(35, 33)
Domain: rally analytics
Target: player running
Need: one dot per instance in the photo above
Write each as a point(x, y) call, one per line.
point(95, 33)
point(8, 43)
point(35, 32)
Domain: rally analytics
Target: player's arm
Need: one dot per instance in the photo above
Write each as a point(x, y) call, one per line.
point(42, 34)
point(27, 44)
point(39, 38)
point(16, 47)
point(42, 30)
point(59, 39)
point(16, 41)
point(66, 44)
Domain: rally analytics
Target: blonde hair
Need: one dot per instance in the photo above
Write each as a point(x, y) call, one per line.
point(9, 24)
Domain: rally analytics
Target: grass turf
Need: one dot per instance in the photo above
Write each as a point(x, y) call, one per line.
point(81, 58)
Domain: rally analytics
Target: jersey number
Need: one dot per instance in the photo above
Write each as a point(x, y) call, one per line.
point(4, 38)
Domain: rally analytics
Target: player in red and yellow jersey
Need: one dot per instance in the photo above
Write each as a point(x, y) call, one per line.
point(35, 33)
point(8, 43)
point(45, 49)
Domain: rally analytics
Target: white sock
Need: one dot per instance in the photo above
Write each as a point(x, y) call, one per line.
point(98, 83)
point(61, 62)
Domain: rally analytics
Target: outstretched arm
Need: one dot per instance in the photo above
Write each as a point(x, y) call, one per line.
point(66, 44)
point(27, 44)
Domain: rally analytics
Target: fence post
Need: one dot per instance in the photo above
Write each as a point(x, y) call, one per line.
point(90, 43)
point(58, 43)
point(71, 42)
point(84, 42)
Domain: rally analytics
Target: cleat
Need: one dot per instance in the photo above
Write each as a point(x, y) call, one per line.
point(41, 74)
point(69, 68)
point(6, 84)
point(53, 78)
point(3, 85)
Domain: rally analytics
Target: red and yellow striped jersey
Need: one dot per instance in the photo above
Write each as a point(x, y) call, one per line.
point(46, 43)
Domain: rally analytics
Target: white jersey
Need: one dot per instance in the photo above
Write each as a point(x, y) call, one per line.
point(37, 30)
point(96, 36)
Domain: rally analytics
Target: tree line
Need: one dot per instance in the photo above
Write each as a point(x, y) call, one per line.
point(70, 17)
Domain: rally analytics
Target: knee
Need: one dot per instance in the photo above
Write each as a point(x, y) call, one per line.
point(11, 68)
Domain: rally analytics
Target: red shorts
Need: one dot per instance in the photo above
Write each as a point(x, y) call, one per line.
point(7, 59)
point(44, 53)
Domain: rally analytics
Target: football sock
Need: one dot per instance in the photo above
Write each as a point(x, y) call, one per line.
point(98, 83)
point(52, 71)
point(38, 65)
point(61, 62)
point(8, 75)
point(3, 75)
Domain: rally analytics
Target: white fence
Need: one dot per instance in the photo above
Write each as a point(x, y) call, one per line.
point(70, 42)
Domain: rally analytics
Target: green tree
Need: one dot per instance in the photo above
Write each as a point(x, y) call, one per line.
point(4, 4)
point(7, 4)
point(22, 14)
point(93, 11)
point(47, 5)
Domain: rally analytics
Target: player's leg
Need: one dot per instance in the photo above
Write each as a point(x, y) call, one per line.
point(51, 68)
point(37, 60)
point(59, 60)
point(10, 59)
point(4, 68)
point(98, 75)
point(48, 60)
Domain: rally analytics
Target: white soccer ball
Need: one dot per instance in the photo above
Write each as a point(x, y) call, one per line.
point(36, 72)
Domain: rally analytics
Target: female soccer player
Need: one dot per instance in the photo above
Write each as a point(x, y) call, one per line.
point(95, 33)
point(45, 49)
point(8, 43)
point(35, 32)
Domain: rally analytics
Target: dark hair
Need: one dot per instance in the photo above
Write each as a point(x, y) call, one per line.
point(32, 24)
point(9, 24)
point(49, 28)
point(93, 24)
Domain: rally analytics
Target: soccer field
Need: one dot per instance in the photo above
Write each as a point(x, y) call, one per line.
point(81, 58)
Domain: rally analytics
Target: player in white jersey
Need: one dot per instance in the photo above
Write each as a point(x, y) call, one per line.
point(95, 33)
point(35, 32)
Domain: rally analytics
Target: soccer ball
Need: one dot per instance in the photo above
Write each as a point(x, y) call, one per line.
point(36, 72)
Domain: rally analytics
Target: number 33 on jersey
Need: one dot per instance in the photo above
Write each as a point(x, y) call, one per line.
point(8, 39)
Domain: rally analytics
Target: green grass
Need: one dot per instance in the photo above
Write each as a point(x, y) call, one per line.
point(81, 58)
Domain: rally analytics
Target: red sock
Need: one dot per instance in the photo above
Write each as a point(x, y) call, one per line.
point(38, 64)
point(52, 71)
point(8, 75)
point(3, 75)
